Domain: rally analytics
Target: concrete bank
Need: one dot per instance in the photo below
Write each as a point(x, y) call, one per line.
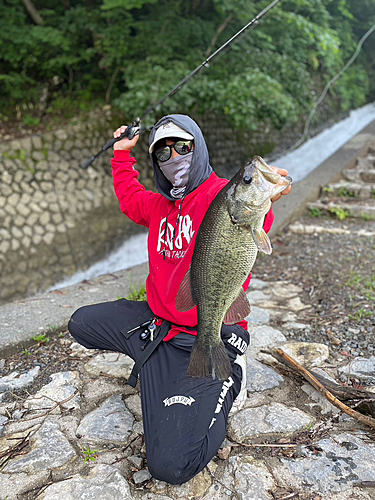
point(50, 311)
point(290, 208)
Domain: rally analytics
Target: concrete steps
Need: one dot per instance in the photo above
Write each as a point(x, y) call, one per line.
point(347, 189)
point(353, 195)
point(343, 208)
point(360, 175)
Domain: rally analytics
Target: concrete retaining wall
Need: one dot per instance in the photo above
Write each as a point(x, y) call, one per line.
point(55, 217)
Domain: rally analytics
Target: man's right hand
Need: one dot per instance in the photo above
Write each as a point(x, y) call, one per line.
point(124, 143)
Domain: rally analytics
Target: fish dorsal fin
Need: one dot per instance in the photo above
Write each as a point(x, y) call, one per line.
point(184, 299)
point(262, 241)
point(238, 310)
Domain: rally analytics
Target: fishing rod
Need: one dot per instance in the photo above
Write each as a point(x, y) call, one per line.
point(135, 127)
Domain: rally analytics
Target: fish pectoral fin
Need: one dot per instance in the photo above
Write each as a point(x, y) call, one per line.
point(238, 310)
point(262, 241)
point(184, 298)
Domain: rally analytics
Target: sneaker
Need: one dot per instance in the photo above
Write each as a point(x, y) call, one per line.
point(239, 402)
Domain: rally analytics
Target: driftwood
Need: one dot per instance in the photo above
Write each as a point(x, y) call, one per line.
point(362, 401)
point(280, 355)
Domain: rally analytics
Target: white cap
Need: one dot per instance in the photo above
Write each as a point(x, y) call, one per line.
point(169, 130)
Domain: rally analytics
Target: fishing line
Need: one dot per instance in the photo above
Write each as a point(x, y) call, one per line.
point(324, 93)
point(135, 127)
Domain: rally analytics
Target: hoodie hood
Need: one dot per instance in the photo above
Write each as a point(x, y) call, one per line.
point(200, 168)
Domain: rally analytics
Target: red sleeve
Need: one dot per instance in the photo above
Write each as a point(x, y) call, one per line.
point(134, 200)
point(268, 220)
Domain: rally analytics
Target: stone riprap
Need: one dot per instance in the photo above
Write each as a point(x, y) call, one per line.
point(82, 435)
point(57, 218)
point(336, 462)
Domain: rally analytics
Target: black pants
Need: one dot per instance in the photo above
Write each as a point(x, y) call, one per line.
point(184, 418)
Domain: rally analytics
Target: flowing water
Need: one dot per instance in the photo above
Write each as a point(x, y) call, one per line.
point(300, 163)
point(315, 151)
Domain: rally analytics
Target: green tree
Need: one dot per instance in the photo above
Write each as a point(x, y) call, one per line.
point(75, 54)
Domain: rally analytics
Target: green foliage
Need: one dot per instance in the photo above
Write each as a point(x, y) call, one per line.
point(340, 213)
point(131, 52)
point(125, 4)
point(309, 426)
point(363, 285)
point(354, 280)
point(137, 294)
point(20, 154)
point(31, 121)
point(52, 328)
point(90, 454)
point(41, 339)
point(353, 87)
point(262, 96)
point(343, 191)
point(315, 212)
point(366, 217)
point(361, 314)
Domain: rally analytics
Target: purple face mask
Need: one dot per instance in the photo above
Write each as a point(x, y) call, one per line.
point(176, 170)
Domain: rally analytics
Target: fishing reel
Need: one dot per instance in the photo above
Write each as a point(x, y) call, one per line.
point(131, 131)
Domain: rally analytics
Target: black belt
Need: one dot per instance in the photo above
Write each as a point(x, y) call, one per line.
point(149, 349)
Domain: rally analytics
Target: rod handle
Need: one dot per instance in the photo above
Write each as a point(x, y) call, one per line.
point(87, 163)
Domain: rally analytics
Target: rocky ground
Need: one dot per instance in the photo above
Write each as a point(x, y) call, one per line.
point(70, 428)
point(337, 275)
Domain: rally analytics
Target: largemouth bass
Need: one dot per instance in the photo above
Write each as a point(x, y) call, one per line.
point(226, 247)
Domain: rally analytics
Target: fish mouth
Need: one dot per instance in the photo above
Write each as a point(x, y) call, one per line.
point(270, 181)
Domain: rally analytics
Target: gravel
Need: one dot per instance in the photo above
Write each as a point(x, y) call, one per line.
point(337, 274)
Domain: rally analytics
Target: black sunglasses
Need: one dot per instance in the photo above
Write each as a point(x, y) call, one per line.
point(182, 147)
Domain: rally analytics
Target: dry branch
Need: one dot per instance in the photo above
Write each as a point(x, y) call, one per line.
point(33, 12)
point(50, 410)
point(280, 355)
point(17, 448)
point(218, 32)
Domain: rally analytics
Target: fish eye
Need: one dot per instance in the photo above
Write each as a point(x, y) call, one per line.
point(247, 179)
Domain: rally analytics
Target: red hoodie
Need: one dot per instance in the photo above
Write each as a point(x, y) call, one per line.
point(170, 245)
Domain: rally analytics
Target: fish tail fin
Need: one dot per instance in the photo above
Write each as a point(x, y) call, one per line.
point(206, 362)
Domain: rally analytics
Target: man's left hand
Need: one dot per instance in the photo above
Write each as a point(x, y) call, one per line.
point(283, 172)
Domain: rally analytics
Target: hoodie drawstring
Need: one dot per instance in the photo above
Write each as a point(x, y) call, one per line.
point(174, 234)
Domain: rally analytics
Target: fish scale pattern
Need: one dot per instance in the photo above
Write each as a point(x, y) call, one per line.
point(224, 255)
